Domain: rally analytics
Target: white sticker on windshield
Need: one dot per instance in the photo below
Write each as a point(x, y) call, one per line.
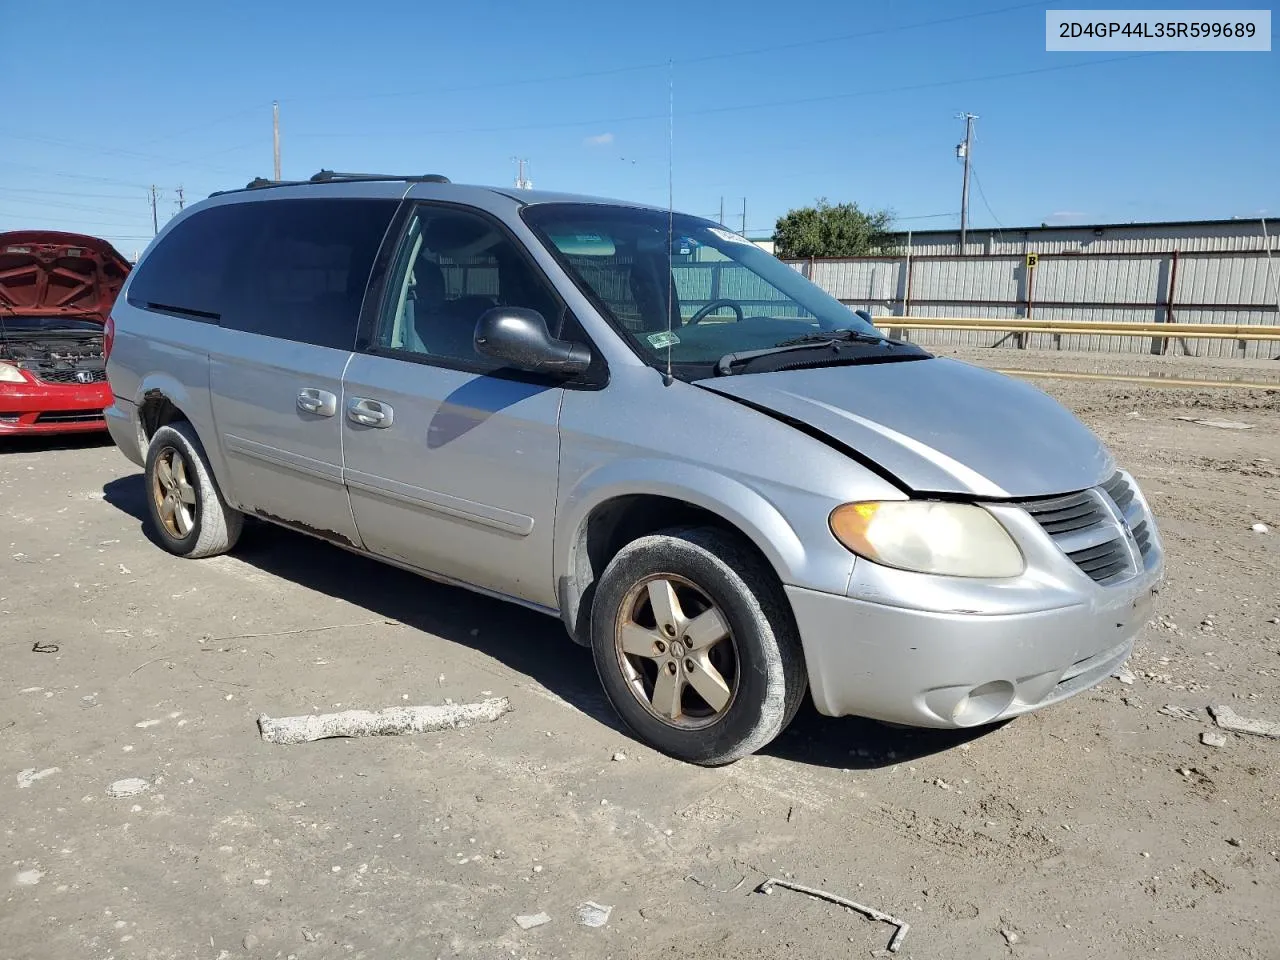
point(663, 339)
point(729, 237)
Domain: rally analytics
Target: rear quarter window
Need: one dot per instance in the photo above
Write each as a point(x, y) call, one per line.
point(292, 269)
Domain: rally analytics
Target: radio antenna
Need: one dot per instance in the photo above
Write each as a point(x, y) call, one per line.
point(671, 214)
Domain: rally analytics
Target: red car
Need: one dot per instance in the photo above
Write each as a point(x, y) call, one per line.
point(56, 290)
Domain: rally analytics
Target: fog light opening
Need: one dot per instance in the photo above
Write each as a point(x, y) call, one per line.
point(983, 704)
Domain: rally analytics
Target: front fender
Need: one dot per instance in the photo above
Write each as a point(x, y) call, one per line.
point(737, 503)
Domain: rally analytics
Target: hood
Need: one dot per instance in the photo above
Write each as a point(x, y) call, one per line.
point(45, 273)
point(937, 426)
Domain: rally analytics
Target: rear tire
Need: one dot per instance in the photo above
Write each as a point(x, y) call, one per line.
point(696, 646)
point(188, 515)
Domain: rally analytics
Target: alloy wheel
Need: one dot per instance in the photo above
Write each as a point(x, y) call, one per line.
point(174, 496)
point(677, 651)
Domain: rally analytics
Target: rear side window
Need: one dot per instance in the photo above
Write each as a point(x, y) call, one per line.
point(186, 270)
point(293, 269)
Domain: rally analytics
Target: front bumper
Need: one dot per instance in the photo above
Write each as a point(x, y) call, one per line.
point(122, 421)
point(949, 652)
point(35, 408)
point(930, 669)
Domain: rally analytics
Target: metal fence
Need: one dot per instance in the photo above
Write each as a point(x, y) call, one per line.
point(1230, 287)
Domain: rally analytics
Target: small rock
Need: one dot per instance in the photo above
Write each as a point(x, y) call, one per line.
point(619, 757)
point(592, 914)
point(29, 878)
point(1010, 937)
point(1260, 528)
point(250, 942)
point(309, 935)
point(128, 787)
point(530, 920)
point(939, 782)
point(1125, 676)
point(537, 868)
point(1274, 620)
point(1185, 771)
point(1179, 713)
point(1235, 841)
point(1211, 738)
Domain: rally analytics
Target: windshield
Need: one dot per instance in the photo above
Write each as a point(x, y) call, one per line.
point(727, 295)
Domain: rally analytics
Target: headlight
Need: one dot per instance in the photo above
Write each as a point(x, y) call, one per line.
point(952, 539)
point(10, 374)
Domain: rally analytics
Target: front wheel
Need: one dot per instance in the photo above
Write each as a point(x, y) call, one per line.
point(696, 646)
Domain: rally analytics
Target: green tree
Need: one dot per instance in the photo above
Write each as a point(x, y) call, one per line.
point(824, 230)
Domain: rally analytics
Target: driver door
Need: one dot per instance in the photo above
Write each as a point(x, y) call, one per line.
point(450, 462)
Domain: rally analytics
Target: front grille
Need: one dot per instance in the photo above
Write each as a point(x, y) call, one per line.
point(1103, 561)
point(1085, 528)
point(1076, 511)
point(1142, 534)
point(1118, 490)
point(70, 416)
point(69, 375)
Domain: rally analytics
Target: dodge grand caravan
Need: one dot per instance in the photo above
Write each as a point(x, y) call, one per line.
point(724, 482)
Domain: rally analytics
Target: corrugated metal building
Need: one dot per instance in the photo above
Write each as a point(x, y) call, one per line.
point(1163, 237)
point(1219, 271)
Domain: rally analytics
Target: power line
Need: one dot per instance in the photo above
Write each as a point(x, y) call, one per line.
point(72, 176)
point(70, 193)
point(656, 64)
point(128, 154)
point(978, 183)
point(61, 205)
point(761, 105)
point(51, 222)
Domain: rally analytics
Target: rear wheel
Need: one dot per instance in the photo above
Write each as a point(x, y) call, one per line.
point(188, 515)
point(696, 646)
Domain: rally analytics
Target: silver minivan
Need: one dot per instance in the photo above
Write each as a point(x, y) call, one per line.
point(727, 484)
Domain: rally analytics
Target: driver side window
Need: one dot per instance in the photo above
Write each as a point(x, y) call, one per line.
point(452, 267)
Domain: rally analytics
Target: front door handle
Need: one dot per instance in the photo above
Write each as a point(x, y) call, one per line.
point(322, 403)
point(370, 413)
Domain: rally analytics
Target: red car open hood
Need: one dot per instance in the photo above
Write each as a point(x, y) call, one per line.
point(46, 273)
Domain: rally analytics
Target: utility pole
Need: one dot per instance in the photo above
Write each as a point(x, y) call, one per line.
point(744, 216)
point(181, 201)
point(722, 211)
point(155, 219)
point(522, 182)
point(965, 150)
point(275, 134)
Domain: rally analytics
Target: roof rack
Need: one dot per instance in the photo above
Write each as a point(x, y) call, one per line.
point(329, 176)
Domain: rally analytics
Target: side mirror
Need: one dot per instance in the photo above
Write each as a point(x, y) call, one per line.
point(519, 337)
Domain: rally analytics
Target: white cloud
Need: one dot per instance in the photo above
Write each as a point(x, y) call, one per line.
point(599, 140)
point(1066, 215)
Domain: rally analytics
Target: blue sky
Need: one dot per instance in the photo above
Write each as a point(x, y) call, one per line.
point(779, 103)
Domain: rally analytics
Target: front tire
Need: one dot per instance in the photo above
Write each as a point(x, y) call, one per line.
point(696, 646)
point(188, 515)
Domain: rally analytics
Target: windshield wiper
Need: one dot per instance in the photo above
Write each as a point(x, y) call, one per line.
point(808, 341)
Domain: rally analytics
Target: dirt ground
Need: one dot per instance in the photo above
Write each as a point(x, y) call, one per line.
point(1099, 828)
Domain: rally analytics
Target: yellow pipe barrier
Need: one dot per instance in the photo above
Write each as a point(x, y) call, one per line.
point(1200, 331)
point(1152, 381)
